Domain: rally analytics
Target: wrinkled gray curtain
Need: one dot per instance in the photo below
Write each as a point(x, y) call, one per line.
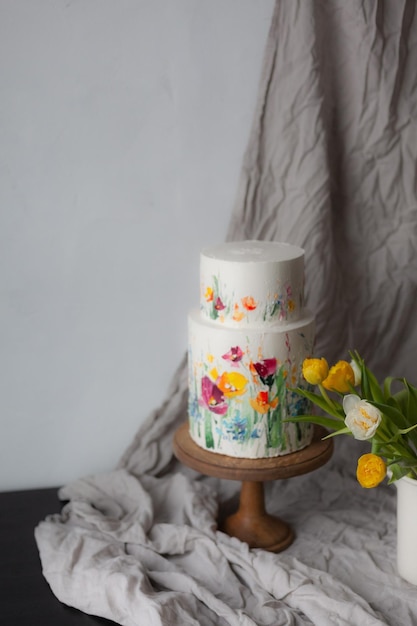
point(331, 166)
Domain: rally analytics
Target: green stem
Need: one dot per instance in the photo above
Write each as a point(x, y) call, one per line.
point(325, 395)
point(385, 437)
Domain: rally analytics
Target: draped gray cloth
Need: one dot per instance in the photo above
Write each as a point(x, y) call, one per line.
point(330, 166)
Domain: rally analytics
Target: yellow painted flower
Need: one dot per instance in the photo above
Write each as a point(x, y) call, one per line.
point(291, 305)
point(209, 294)
point(261, 403)
point(371, 470)
point(238, 315)
point(340, 378)
point(214, 374)
point(315, 370)
point(232, 384)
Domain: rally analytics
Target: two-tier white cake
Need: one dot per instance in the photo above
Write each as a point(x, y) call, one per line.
point(247, 344)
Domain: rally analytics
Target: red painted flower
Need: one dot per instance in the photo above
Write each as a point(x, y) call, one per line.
point(266, 370)
point(249, 303)
point(261, 403)
point(212, 397)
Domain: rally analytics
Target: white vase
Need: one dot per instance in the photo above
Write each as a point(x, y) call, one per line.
point(407, 529)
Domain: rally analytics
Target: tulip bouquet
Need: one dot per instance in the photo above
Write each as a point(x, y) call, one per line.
point(355, 404)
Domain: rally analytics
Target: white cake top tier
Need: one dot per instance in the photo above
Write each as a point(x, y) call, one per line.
point(252, 283)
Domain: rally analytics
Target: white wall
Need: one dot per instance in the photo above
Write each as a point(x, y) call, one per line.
point(122, 128)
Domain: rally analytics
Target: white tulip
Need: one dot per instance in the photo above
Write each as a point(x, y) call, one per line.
point(362, 418)
point(357, 372)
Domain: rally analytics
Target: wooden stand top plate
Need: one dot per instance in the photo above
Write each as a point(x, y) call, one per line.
point(316, 454)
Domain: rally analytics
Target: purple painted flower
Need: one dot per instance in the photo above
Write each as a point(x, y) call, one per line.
point(212, 397)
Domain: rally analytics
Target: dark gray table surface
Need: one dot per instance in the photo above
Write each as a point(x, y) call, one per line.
point(25, 597)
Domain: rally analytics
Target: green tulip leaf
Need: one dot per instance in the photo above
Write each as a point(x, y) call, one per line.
point(320, 420)
point(340, 431)
point(333, 409)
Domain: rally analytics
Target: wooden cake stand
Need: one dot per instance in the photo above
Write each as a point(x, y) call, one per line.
point(251, 523)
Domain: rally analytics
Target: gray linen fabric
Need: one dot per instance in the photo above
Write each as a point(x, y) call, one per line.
point(330, 166)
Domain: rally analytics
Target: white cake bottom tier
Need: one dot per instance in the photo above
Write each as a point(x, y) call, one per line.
point(241, 387)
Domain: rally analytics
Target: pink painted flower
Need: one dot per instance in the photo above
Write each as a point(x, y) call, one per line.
point(218, 305)
point(235, 355)
point(212, 397)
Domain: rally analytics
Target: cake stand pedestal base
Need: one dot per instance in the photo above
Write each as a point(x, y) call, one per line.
point(251, 523)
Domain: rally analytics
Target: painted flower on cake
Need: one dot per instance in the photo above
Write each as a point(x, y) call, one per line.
point(193, 407)
point(362, 418)
point(209, 294)
point(232, 384)
point(218, 305)
point(266, 370)
point(238, 315)
point(212, 397)
point(297, 405)
point(235, 428)
point(261, 403)
point(277, 307)
point(249, 303)
point(294, 374)
point(234, 355)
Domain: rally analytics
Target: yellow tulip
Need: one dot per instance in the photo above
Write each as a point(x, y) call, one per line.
point(371, 470)
point(315, 370)
point(340, 378)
